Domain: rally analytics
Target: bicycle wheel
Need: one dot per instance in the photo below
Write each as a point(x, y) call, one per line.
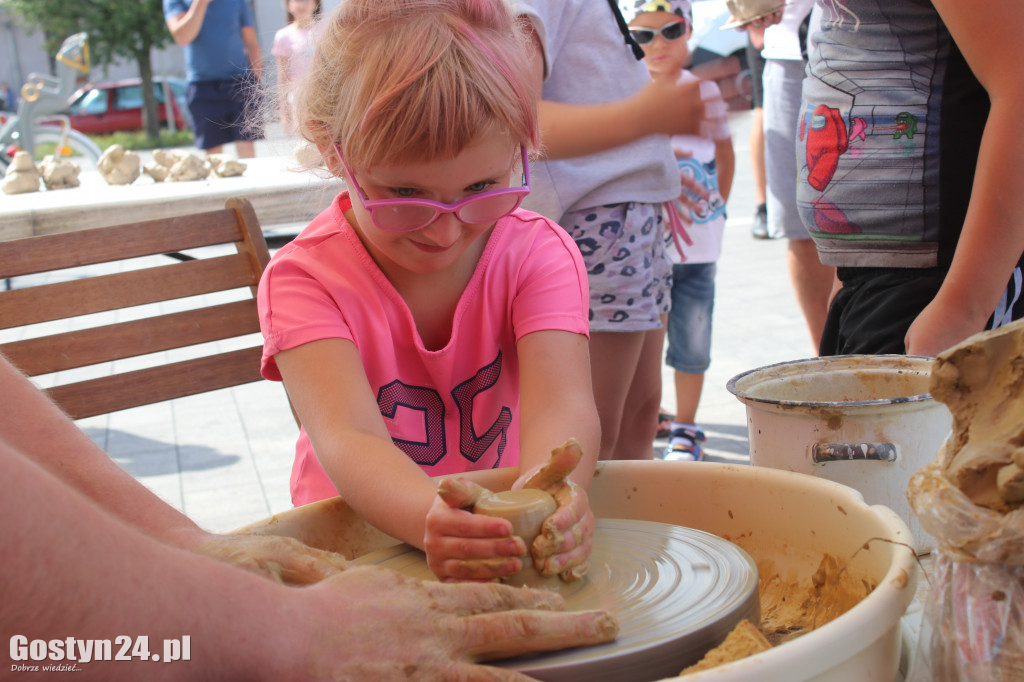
point(69, 144)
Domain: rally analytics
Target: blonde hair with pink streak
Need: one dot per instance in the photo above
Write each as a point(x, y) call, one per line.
point(396, 80)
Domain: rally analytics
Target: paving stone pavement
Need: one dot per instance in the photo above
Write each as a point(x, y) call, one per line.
point(224, 458)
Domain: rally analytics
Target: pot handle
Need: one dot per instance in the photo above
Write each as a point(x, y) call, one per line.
point(822, 453)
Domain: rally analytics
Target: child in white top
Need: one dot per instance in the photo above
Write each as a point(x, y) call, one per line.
point(706, 164)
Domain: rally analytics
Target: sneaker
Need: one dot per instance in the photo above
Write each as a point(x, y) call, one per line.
point(759, 230)
point(684, 444)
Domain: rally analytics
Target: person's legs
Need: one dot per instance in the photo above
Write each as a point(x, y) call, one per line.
point(245, 149)
point(689, 353)
point(213, 110)
point(757, 156)
point(626, 371)
point(688, 390)
point(630, 276)
point(243, 129)
point(812, 284)
point(759, 230)
point(642, 401)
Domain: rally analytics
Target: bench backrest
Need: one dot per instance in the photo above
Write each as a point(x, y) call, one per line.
point(172, 291)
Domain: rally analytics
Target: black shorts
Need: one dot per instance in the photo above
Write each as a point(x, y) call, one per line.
point(876, 306)
point(219, 111)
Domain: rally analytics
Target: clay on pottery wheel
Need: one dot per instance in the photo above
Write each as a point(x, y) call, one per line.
point(527, 509)
point(676, 593)
point(118, 166)
point(59, 173)
point(22, 175)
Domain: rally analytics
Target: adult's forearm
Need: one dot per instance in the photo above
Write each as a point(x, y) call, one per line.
point(186, 26)
point(992, 239)
point(569, 130)
point(73, 571)
point(382, 484)
point(34, 426)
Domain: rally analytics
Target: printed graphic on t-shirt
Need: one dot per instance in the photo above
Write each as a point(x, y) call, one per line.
point(415, 417)
point(869, 121)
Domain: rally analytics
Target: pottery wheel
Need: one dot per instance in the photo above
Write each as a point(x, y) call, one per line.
point(676, 593)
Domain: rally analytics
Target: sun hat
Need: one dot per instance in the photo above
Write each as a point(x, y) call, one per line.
point(746, 11)
point(680, 7)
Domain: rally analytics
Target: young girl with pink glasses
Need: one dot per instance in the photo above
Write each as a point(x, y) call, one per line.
point(424, 324)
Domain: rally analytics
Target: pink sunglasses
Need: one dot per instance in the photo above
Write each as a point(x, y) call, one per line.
point(407, 215)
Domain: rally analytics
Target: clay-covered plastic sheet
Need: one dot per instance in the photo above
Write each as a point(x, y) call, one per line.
point(973, 622)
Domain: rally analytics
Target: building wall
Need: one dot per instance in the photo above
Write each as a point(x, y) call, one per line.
point(22, 52)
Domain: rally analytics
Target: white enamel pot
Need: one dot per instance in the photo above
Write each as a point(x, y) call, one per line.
point(866, 421)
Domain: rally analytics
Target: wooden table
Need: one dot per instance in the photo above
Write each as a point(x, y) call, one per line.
point(280, 192)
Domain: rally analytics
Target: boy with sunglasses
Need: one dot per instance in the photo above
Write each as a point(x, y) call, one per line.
point(706, 164)
point(424, 324)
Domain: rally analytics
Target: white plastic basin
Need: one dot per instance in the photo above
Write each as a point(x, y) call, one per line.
point(786, 518)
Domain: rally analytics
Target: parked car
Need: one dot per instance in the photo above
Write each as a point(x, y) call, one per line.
point(102, 108)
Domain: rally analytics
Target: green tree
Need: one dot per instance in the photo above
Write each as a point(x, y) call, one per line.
point(131, 29)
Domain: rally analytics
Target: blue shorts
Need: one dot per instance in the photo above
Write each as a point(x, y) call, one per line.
point(689, 321)
point(219, 111)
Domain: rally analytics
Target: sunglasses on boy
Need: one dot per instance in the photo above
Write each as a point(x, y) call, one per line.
point(407, 215)
point(673, 31)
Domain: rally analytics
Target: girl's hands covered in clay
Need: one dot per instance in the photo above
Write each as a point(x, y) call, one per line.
point(567, 537)
point(461, 545)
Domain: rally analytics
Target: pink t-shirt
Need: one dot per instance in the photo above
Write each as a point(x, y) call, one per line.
point(450, 410)
point(297, 45)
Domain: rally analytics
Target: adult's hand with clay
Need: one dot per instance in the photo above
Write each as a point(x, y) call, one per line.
point(567, 536)
point(461, 545)
point(370, 623)
point(283, 560)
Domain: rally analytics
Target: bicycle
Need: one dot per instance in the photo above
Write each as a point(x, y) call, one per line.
point(40, 118)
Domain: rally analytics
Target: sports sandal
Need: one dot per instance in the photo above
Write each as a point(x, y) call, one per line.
point(684, 444)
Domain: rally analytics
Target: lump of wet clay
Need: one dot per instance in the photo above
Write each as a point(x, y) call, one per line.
point(225, 166)
point(982, 382)
point(744, 640)
point(22, 175)
point(176, 166)
point(118, 166)
point(59, 173)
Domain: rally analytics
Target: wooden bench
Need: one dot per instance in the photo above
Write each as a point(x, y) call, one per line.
point(55, 351)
